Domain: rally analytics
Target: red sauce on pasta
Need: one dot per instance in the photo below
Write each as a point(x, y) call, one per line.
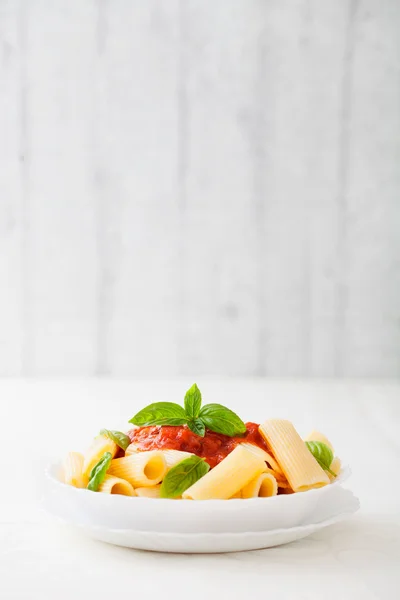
point(214, 447)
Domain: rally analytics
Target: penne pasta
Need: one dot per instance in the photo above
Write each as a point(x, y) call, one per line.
point(149, 492)
point(100, 445)
point(143, 469)
point(296, 461)
point(228, 477)
point(116, 485)
point(316, 436)
point(264, 455)
point(263, 486)
point(73, 470)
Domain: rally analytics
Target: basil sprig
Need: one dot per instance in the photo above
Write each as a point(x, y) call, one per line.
point(98, 473)
point(322, 454)
point(222, 420)
point(182, 476)
point(192, 402)
point(117, 437)
point(215, 417)
point(160, 413)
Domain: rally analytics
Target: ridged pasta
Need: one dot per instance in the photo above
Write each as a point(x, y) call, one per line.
point(236, 496)
point(263, 486)
point(173, 457)
point(142, 469)
point(99, 446)
point(317, 436)
point(116, 485)
point(266, 456)
point(149, 492)
point(73, 470)
point(336, 467)
point(228, 477)
point(132, 449)
point(296, 461)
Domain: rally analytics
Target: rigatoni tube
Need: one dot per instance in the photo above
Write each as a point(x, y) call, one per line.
point(296, 461)
point(228, 477)
point(142, 469)
point(263, 486)
point(73, 470)
point(98, 448)
point(116, 485)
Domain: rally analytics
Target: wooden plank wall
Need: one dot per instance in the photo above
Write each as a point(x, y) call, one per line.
point(199, 187)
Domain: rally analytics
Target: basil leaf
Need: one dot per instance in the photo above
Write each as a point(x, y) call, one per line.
point(98, 473)
point(193, 402)
point(160, 413)
point(117, 437)
point(322, 454)
point(220, 419)
point(197, 426)
point(182, 476)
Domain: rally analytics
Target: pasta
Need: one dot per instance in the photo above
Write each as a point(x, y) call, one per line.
point(143, 469)
point(131, 449)
point(115, 485)
point(100, 445)
point(195, 452)
point(298, 464)
point(316, 436)
point(264, 455)
point(149, 492)
point(173, 457)
point(236, 495)
point(263, 486)
point(73, 470)
point(227, 478)
point(335, 467)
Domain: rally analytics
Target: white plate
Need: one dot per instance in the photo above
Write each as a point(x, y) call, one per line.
point(189, 517)
point(221, 542)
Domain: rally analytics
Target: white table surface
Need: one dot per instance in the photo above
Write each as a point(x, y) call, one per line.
point(357, 559)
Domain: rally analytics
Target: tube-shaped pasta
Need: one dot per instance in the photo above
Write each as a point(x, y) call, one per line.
point(132, 449)
point(336, 466)
point(142, 469)
point(228, 477)
point(317, 436)
point(285, 485)
point(173, 457)
point(149, 492)
point(264, 455)
point(73, 470)
point(263, 486)
point(298, 464)
point(99, 446)
point(236, 496)
point(116, 485)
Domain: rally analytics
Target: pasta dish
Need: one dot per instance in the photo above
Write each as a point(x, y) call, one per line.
point(202, 452)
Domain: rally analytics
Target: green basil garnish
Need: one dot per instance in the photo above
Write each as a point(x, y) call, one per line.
point(117, 437)
point(182, 476)
point(160, 413)
point(98, 473)
point(322, 454)
point(198, 427)
point(222, 420)
point(215, 417)
point(192, 402)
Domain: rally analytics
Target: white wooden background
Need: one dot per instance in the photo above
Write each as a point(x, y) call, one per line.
point(200, 187)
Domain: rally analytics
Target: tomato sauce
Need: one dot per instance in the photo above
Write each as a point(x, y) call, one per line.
point(214, 447)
